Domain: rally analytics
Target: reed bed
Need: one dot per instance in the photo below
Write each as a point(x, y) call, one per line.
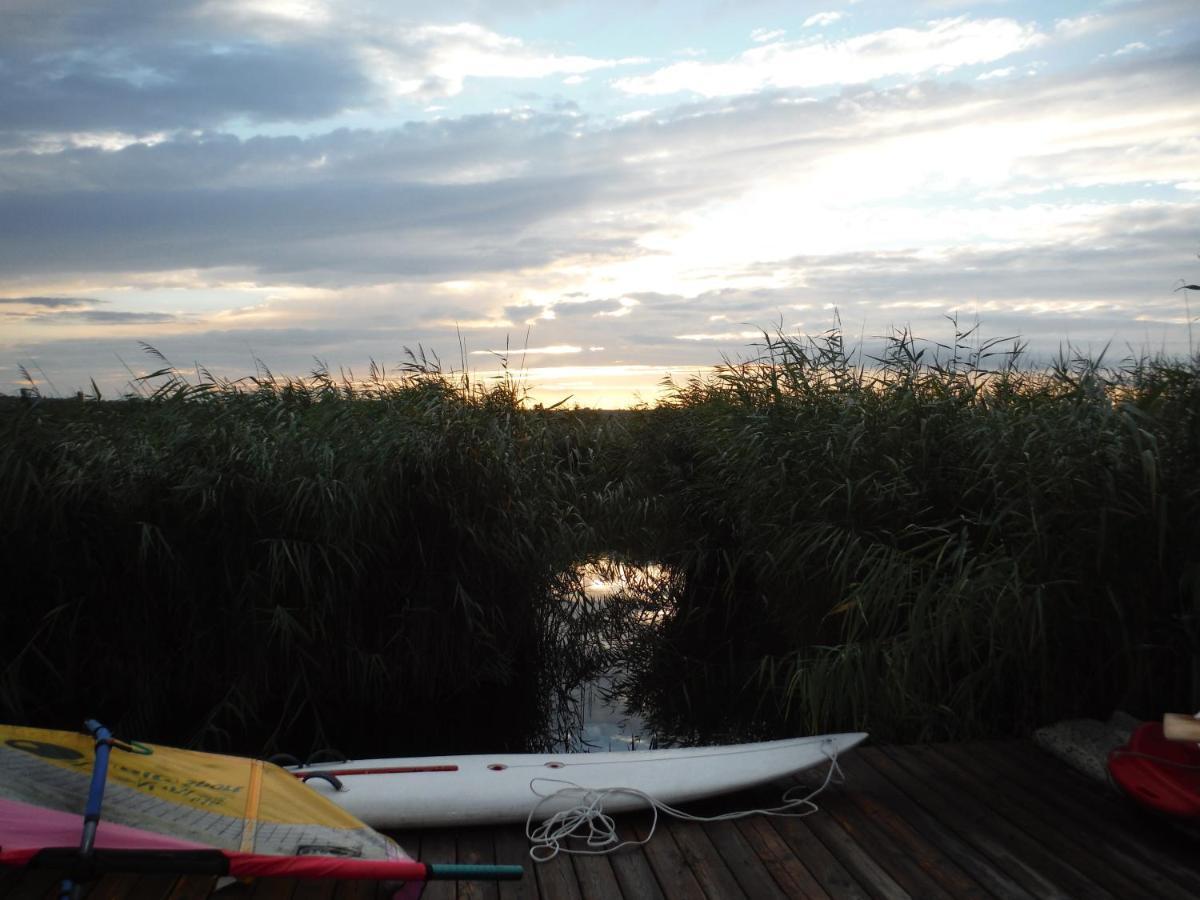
point(941, 542)
point(282, 564)
point(936, 543)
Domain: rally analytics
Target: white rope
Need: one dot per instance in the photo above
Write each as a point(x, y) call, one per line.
point(586, 820)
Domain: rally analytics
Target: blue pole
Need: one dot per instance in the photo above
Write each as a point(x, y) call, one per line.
point(95, 799)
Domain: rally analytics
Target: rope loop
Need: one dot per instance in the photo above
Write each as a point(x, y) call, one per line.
point(587, 821)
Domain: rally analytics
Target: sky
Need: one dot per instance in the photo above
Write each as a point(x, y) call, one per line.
point(597, 194)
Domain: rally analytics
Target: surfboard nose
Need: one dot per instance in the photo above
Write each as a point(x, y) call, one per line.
point(847, 740)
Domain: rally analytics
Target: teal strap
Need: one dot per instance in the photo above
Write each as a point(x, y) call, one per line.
point(452, 872)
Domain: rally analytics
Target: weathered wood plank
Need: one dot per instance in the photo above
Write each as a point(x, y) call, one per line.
point(36, 884)
point(817, 858)
point(596, 878)
point(788, 872)
point(635, 876)
point(999, 795)
point(885, 837)
point(356, 890)
point(878, 801)
point(153, 887)
point(556, 879)
point(1142, 835)
point(1041, 802)
point(193, 887)
point(110, 887)
point(314, 889)
point(1009, 847)
point(988, 878)
point(9, 876)
point(670, 869)
point(477, 846)
point(272, 888)
point(747, 867)
point(512, 849)
point(706, 864)
point(633, 870)
point(848, 848)
point(438, 845)
point(1077, 877)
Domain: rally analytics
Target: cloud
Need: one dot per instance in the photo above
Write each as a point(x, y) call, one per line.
point(1080, 26)
point(75, 310)
point(118, 317)
point(48, 302)
point(556, 350)
point(821, 19)
point(184, 86)
point(1131, 47)
point(142, 67)
point(663, 239)
point(505, 193)
point(942, 45)
point(332, 231)
point(435, 60)
point(722, 337)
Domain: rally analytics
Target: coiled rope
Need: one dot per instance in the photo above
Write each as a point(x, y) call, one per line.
point(586, 820)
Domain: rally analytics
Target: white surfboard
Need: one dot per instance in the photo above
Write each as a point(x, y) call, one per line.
point(436, 791)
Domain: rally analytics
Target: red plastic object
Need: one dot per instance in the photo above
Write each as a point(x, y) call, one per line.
point(1160, 774)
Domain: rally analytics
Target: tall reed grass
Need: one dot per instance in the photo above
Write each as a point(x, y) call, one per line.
point(936, 543)
point(277, 564)
point(941, 542)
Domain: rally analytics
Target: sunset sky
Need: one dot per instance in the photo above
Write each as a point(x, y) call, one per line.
point(614, 190)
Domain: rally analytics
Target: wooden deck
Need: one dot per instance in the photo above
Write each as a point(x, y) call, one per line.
point(979, 820)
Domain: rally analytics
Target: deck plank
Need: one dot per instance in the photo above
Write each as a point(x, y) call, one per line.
point(999, 820)
point(512, 849)
point(851, 856)
point(670, 869)
point(477, 846)
point(272, 888)
point(635, 875)
point(993, 835)
point(193, 887)
point(556, 879)
point(1041, 805)
point(1075, 875)
point(1061, 842)
point(874, 797)
point(356, 890)
point(1153, 841)
point(785, 869)
point(37, 884)
point(710, 868)
point(314, 889)
point(746, 865)
point(815, 856)
point(10, 876)
point(597, 880)
point(987, 876)
point(111, 887)
point(154, 887)
point(882, 834)
point(437, 845)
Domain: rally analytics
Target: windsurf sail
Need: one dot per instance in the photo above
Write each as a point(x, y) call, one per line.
point(86, 804)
